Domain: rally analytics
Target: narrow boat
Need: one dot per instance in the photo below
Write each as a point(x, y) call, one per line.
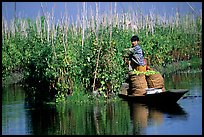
point(170, 96)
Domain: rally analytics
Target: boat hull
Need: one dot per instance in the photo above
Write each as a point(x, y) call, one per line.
point(167, 97)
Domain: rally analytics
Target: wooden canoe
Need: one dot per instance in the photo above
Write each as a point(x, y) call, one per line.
point(166, 97)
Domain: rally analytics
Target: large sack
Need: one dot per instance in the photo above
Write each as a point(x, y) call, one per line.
point(137, 84)
point(155, 81)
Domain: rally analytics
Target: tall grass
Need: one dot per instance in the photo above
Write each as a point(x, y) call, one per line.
point(86, 55)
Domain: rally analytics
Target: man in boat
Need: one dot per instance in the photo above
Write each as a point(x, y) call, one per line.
point(136, 56)
point(137, 83)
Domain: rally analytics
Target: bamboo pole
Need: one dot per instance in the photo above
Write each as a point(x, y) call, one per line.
point(96, 69)
point(97, 61)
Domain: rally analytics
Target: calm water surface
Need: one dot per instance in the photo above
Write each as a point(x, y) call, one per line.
point(118, 118)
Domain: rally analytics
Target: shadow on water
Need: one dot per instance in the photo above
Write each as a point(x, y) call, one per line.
point(144, 115)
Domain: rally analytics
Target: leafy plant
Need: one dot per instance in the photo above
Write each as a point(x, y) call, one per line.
point(63, 60)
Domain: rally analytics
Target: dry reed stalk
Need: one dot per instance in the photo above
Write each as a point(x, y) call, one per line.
point(86, 17)
point(53, 32)
point(142, 19)
point(110, 15)
point(5, 30)
point(151, 25)
point(48, 26)
point(12, 28)
point(74, 29)
point(110, 24)
point(17, 29)
point(24, 27)
point(93, 26)
point(63, 25)
point(164, 21)
point(46, 15)
point(147, 24)
point(97, 28)
point(115, 21)
point(177, 18)
point(83, 23)
point(192, 8)
point(96, 70)
point(97, 18)
point(127, 22)
point(38, 26)
point(137, 23)
point(123, 22)
point(201, 17)
point(66, 25)
point(41, 34)
point(134, 21)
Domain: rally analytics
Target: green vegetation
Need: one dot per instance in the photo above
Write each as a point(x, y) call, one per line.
point(79, 59)
point(192, 64)
point(148, 72)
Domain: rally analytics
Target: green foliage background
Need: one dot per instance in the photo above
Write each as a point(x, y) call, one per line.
point(60, 62)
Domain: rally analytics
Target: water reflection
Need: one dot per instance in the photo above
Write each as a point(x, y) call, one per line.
point(113, 118)
point(80, 119)
point(143, 115)
point(13, 113)
point(183, 80)
point(99, 119)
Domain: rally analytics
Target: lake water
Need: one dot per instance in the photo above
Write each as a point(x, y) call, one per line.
point(113, 118)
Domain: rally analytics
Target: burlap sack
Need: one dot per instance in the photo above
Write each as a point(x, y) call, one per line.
point(137, 85)
point(155, 81)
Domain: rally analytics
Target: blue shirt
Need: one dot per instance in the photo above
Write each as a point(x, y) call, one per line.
point(136, 55)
